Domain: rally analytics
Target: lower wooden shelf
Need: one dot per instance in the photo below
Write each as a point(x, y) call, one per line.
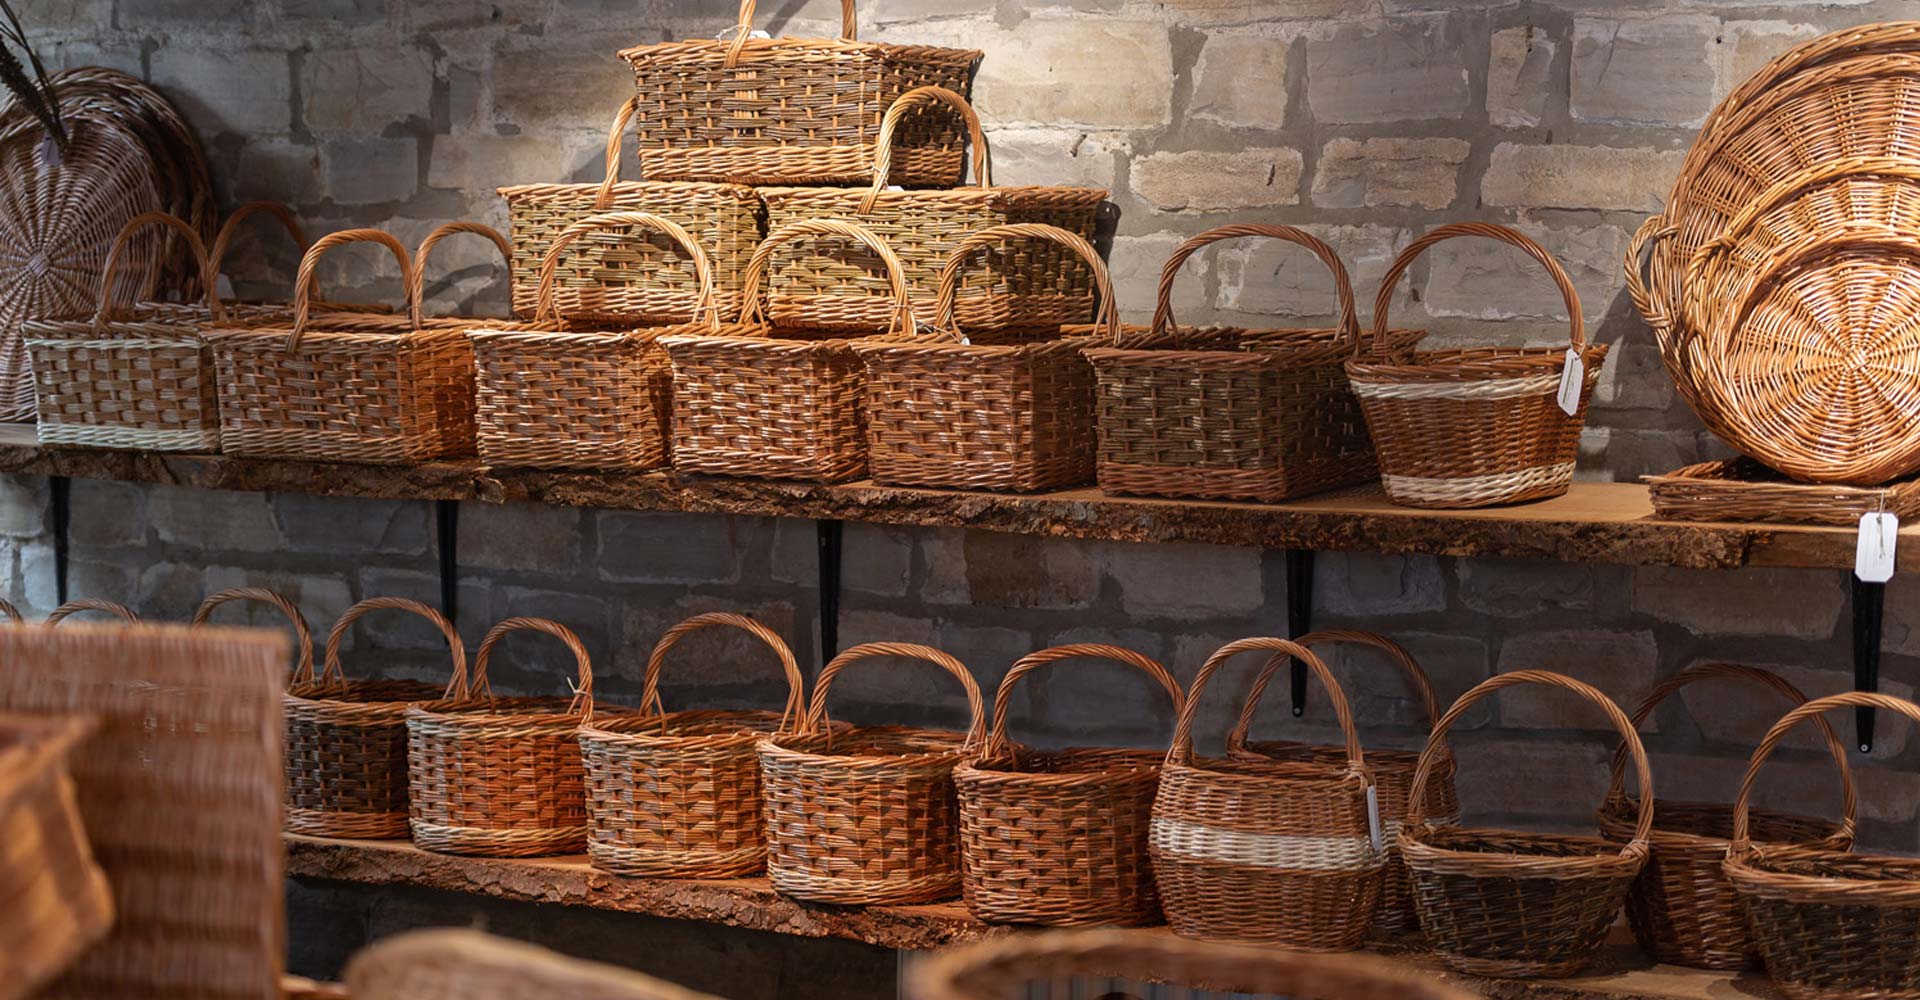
point(1621, 973)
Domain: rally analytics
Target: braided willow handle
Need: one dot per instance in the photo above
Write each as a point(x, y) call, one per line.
point(816, 721)
point(546, 311)
point(333, 676)
point(1180, 754)
point(10, 612)
point(209, 278)
point(650, 696)
point(303, 285)
point(303, 636)
point(615, 136)
point(756, 273)
point(417, 291)
point(582, 691)
point(1638, 266)
point(1409, 667)
point(1163, 321)
point(997, 738)
point(1851, 699)
point(890, 123)
point(1383, 302)
point(849, 28)
point(71, 608)
point(982, 239)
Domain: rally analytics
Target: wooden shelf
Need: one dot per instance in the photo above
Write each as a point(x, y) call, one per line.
point(1620, 974)
point(1594, 522)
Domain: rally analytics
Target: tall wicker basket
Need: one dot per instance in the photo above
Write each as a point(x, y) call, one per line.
point(59, 903)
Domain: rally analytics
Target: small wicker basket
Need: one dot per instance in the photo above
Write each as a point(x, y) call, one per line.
point(867, 815)
point(1060, 837)
point(58, 900)
point(677, 795)
point(1743, 491)
point(1277, 852)
point(105, 607)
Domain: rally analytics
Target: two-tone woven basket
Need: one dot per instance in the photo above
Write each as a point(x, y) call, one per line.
point(1479, 426)
point(1279, 852)
point(793, 110)
point(58, 900)
point(1060, 836)
point(867, 815)
point(677, 794)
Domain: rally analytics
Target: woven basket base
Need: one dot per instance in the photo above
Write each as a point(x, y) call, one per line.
point(109, 436)
point(865, 892)
point(1005, 908)
point(1308, 911)
point(1257, 485)
point(1518, 486)
point(346, 825)
point(481, 842)
point(663, 863)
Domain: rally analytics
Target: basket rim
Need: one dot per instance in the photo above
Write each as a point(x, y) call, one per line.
point(1750, 875)
point(1616, 821)
point(608, 730)
point(540, 712)
point(1128, 765)
point(1091, 196)
point(556, 192)
point(639, 56)
point(1610, 859)
point(778, 749)
point(1475, 364)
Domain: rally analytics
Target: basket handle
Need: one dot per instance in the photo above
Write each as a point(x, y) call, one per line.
point(1410, 668)
point(303, 285)
point(816, 721)
point(71, 608)
point(332, 676)
point(1435, 750)
point(890, 123)
point(1180, 754)
point(943, 304)
point(849, 28)
point(303, 636)
point(615, 136)
point(756, 273)
point(417, 291)
point(1742, 829)
point(582, 691)
point(110, 271)
point(997, 737)
point(1794, 185)
point(546, 311)
point(790, 715)
point(1641, 251)
point(1163, 321)
point(223, 240)
point(11, 613)
point(1383, 302)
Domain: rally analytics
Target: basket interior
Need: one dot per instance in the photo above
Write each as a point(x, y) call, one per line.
point(369, 691)
point(1079, 760)
point(702, 723)
point(1477, 363)
point(878, 741)
point(1517, 843)
point(1837, 865)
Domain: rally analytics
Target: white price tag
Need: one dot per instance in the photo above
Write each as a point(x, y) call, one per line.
point(1373, 819)
point(1572, 377)
point(1873, 552)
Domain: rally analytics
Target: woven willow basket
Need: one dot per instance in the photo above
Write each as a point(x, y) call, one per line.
point(1514, 904)
point(1060, 836)
point(1267, 851)
point(1829, 924)
point(677, 795)
point(1475, 427)
point(635, 276)
point(1744, 491)
point(793, 110)
point(1682, 908)
point(65, 611)
point(502, 777)
point(1013, 414)
point(867, 815)
point(58, 900)
point(749, 403)
point(1392, 770)
point(1044, 284)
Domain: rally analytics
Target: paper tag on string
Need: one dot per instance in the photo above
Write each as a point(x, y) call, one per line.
point(1373, 819)
point(1873, 551)
point(1573, 376)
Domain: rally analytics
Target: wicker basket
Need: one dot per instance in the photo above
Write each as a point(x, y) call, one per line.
point(746, 403)
point(1060, 837)
point(1830, 924)
point(1512, 904)
point(1014, 414)
point(1392, 770)
point(502, 777)
point(631, 276)
point(1477, 427)
point(1267, 851)
point(1045, 284)
point(58, 901)
point(74, 607)
point(554, 395)
point(867, 815)
point(677, 795)
point(793, 110)
point(302, 988)
point(1744, 491)
point(1682, 909)
point(444, 964)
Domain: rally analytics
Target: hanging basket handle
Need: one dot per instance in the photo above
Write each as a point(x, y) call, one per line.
point(996, 744)
point(790, 715)
point(11, 613)
point(1383, 302)
point(756, 273)
point(1409, 668)
point(582, 690)
point(110, 271)
point(1180, 754)
point(890, 123)
point(1349, 323)
point(1435, 750)
point(1742, 829)
point(849, 28)
point(817, 722)
point(417, 291)
point(333, 677)
point(1641, 252)
point(615, 136)
point(303, 285)
point(979, 240)
point(546, 311)
point(71, 608)
point(303, 636)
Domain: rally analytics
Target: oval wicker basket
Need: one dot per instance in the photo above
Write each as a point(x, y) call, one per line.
point(1060, 836)
point(74, 607)
point(867, 815)
point(677, 794)
point(58, 900)
point(1268, 851)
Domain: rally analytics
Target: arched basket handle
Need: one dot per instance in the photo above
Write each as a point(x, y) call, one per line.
point(849, 28)
point(582, 704)
point(545, 309)
point(1638, 267)
point(1349, 324)
point(303, 285)
point(1416, 678)
point(10, 613)
point(303, 635)
point(74, 607)
point(984, 239)
point(756, 274)
point(417, 290)
point(1180, 753)
point(196, 248)
point(615, 136)
point(817, 722)
point(790, 714)
point(997, 737)
point(334, 677)
point(1742, 828)
point(1383, 302)
point(920, 97)
point(223, 240)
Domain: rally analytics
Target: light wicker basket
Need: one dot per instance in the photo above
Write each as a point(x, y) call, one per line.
point(58, 901)
point(1744, 491)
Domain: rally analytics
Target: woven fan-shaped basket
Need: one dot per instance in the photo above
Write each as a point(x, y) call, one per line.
point(105, 607)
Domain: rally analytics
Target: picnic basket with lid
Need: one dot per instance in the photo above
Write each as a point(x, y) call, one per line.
point(793, 110)
point(1682, 908)
point(1479, 426)
point(677, 794)
point(119, 611)
point(1519, 904)
point(1282, 852)
point(1060, 836)
point(58, 900)
point(867, 815)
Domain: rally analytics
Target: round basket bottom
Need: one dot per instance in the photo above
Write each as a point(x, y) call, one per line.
point(1519, 486)
point(864, 892)
point(489, 843)
point(347, 825)
point(666, 863)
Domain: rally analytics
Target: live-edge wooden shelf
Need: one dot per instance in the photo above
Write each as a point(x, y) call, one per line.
point(1594, 522)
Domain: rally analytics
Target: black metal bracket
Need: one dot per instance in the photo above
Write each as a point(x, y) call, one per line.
point(446, 526)
point(1299, 616)
point(828, 535)
point(1869, 604)
point(60, 489)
